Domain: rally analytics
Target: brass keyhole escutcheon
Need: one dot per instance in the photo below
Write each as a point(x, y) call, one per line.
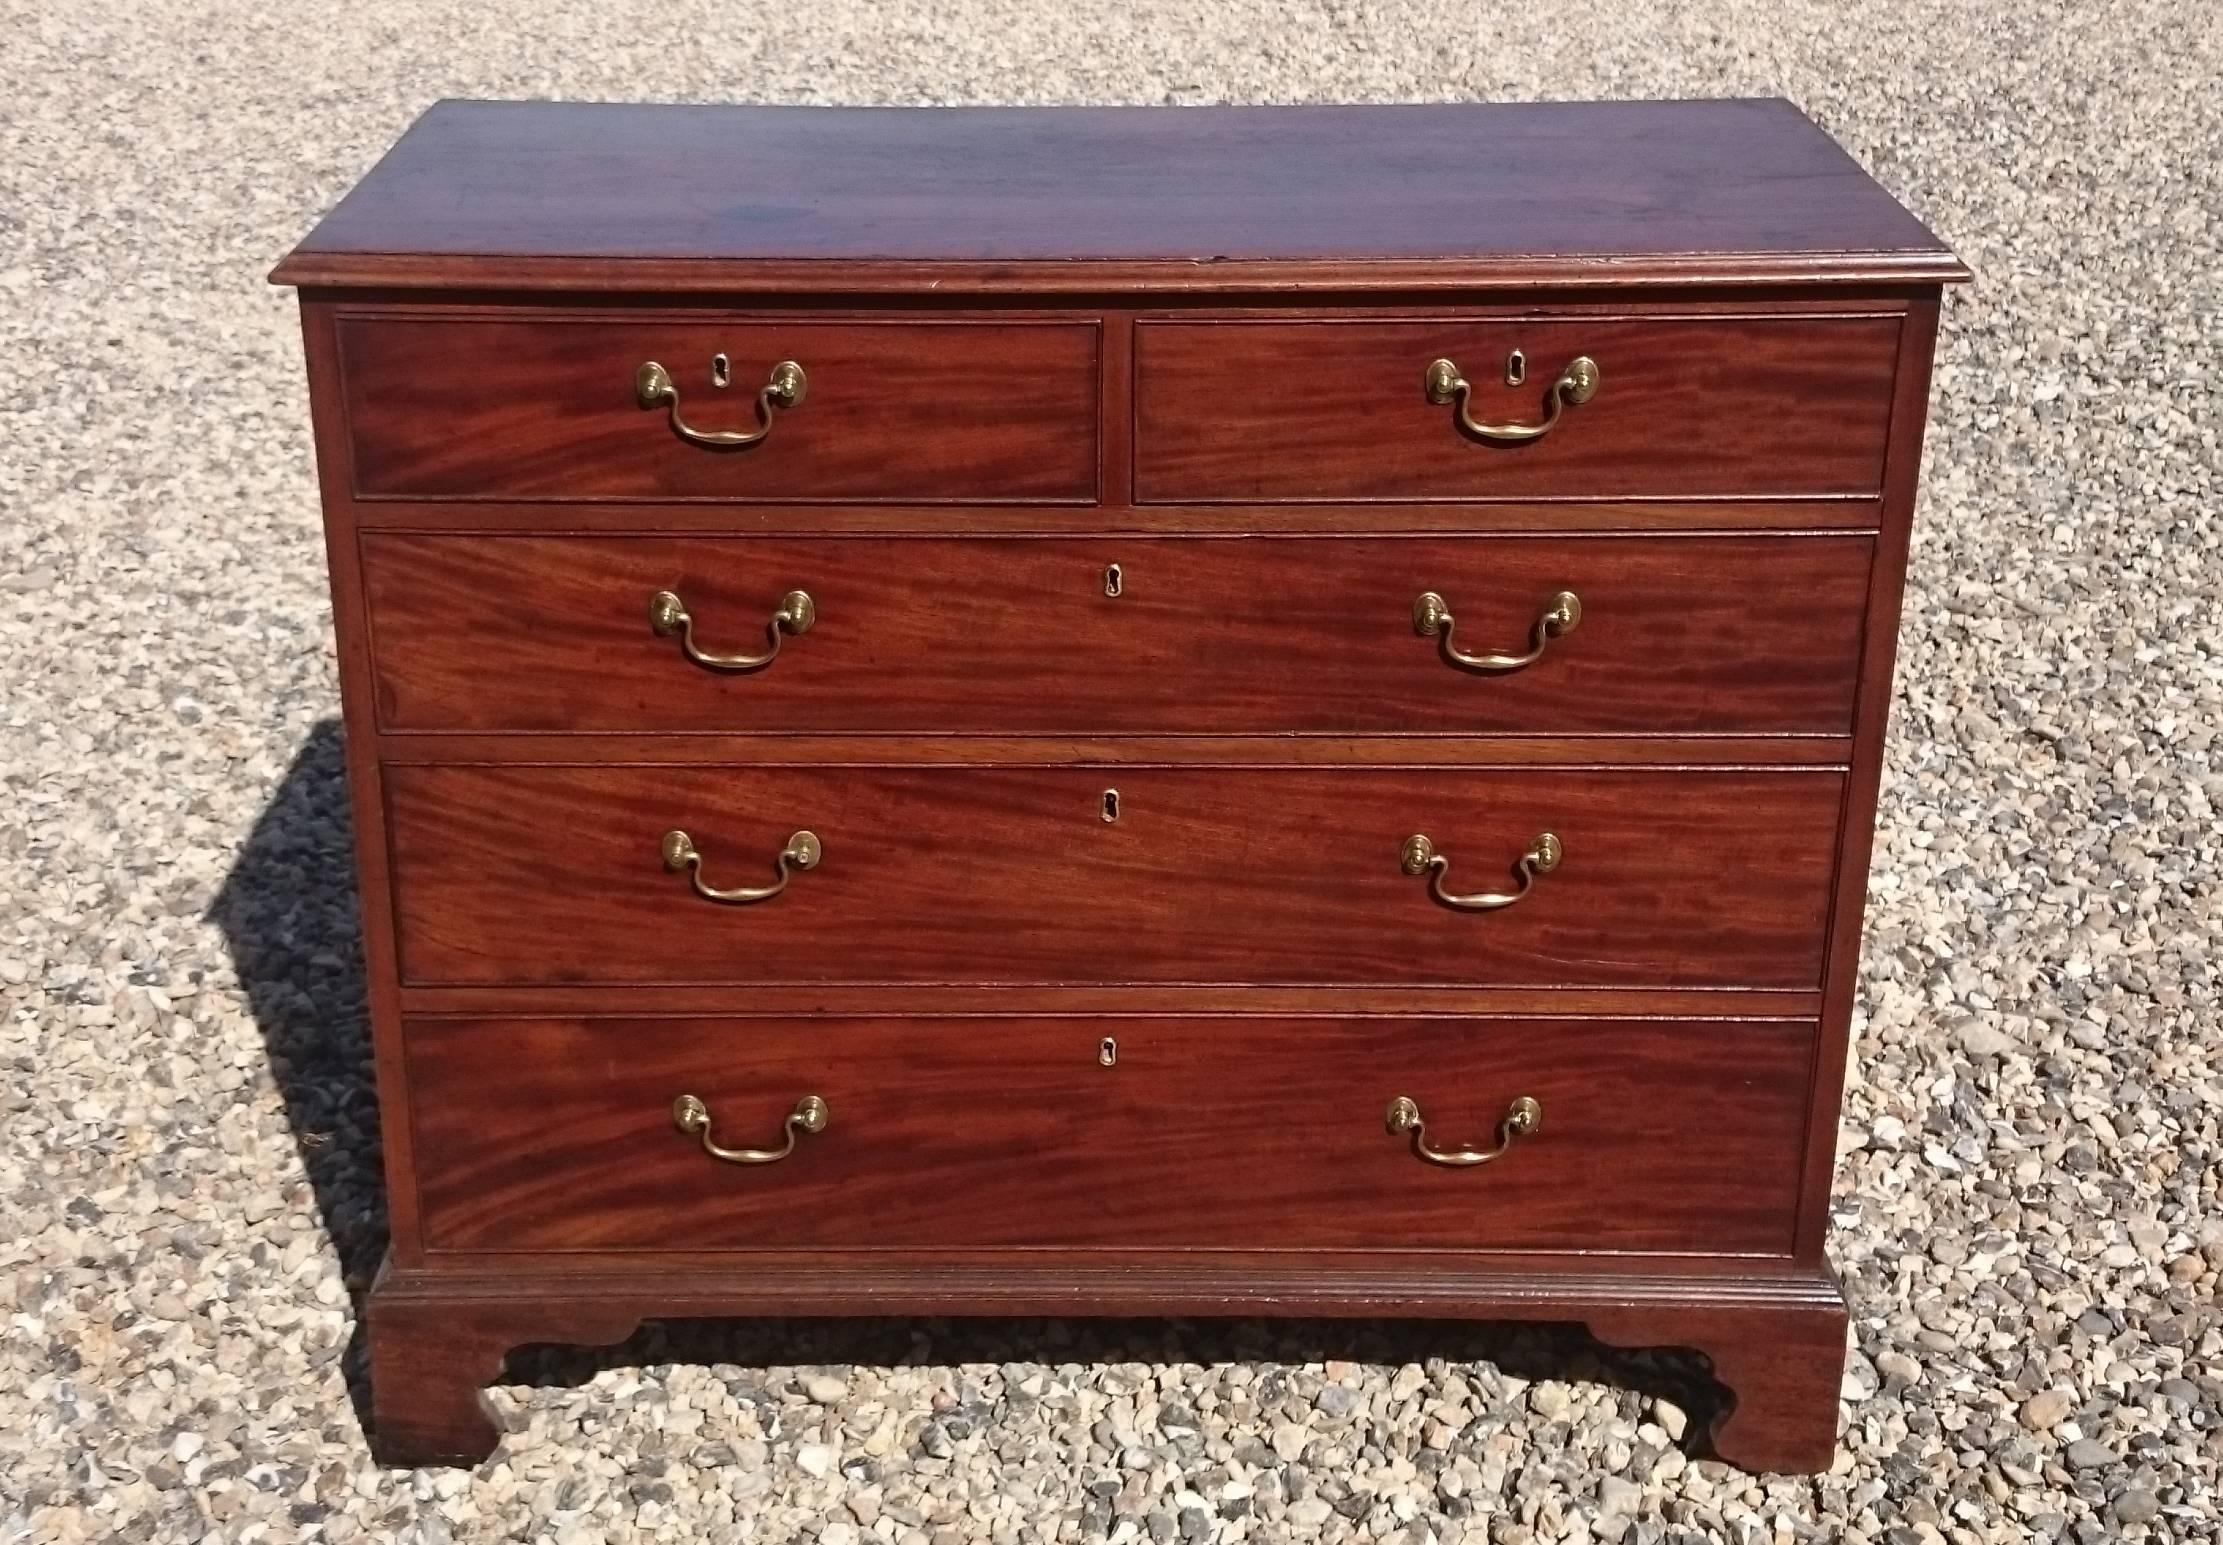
point(1107, 1052)
point(1111, 807)
point(1114, 580)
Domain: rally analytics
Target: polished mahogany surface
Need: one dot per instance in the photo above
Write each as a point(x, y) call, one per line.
point(710, 197)
point(547, 409)
point(1715, 635)
point(1690, 406)
point(1201, 1134)
point(537, 874)
point(1114, 473)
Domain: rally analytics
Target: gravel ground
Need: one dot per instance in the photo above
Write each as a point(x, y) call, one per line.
point(2029, 1222)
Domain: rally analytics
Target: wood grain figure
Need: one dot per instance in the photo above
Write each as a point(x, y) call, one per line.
point(1115, 712)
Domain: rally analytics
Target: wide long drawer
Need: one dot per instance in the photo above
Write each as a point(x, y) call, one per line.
point(1366, 409)
point(983, 874)
point(564, 408)
point(1173, 1133)
point(1588, 635)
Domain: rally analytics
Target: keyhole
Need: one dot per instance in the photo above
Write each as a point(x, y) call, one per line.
point(1111, 806)
point(721, 370)
point(1107, 1052)
point(1113, 579)
point(1516, 368)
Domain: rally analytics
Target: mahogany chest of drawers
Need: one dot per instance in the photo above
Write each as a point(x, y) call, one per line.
point(1248, 711)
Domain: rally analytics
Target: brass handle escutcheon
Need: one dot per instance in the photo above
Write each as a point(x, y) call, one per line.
point(1578, 383)
point(1419, 856)
point(692, 1117)
point(802, 852)
point(667, 615)
point(1432, 619)
point(653, 387)
point(1521, 1117)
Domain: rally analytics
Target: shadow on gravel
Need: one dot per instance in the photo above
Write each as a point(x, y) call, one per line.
point(287, 912)
point(288, 915)
point(739, 1351)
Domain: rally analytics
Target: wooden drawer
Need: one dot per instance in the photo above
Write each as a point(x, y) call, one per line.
point(1339, 410)
point(890, 411)
point(1311, 635)
point(943, 1134)
point(541, 874)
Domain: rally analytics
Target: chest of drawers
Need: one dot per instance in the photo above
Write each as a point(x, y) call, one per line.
point(1135, 711)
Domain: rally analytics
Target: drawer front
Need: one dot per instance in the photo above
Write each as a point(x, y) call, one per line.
point(972, 874)
point(1674, 635)
point(551, 409)
point(1326, 410)
point(941, 1134)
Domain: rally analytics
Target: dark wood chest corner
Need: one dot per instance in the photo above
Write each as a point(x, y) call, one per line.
point(1348, 718)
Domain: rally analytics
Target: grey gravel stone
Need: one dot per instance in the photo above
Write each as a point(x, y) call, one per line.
point(2025, 1205)
point(815, 1459)
point(1549, 1400)
point(1616, 1495)
point(1895, 1364)
point(2089, 1454)
point(2136, 1506)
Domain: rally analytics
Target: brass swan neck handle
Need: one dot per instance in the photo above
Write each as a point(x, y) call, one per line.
point(668, 615)
point(1419, 856)
point(1578, 383)
point(692, 1117)
point(1521, 1117)
point(803, 851)
point(1561, 615)
point(653, 387)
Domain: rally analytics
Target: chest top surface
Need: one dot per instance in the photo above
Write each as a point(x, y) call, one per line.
point(617, 197)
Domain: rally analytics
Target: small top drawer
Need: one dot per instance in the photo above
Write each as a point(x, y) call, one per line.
point(1572, 407)
point(584, 409)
